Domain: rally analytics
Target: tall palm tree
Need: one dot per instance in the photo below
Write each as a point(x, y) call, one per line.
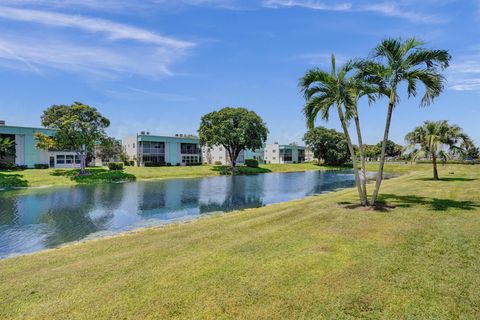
point(436, 139)
point(322, 91)
point(358, 88)
point(397, 61)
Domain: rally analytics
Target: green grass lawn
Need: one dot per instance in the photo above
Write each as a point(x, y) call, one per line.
point(313, 258)
point(58, 177)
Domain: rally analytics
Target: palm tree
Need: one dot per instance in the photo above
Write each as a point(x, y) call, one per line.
point(323, 90)
point(397, 61)
point(358, 88)
point(7, 147)
point(436, 139)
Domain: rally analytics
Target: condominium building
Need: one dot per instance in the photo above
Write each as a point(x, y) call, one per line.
point(177, 150)
point(281, 153)
point(219, 155)
point(26, 152)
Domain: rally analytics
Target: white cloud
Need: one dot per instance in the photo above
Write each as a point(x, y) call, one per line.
point(28, 55)
point(114, 31)
point(465, 74)
point(389, 8)
point(309, 4)
point(111, 48)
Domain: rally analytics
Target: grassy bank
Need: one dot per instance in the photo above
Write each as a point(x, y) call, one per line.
point(312, 258)
point(59, 177)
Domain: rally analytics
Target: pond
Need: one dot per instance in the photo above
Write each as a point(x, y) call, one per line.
point(32, 220)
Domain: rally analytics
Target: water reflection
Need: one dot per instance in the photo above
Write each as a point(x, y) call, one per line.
point(37, 219)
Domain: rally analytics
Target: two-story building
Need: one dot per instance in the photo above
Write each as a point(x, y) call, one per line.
point(218, 155)
point(282, 153)
point(26, 151)
point(177, 150)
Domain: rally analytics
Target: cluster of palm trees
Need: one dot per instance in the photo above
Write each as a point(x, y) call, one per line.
point(392, 63)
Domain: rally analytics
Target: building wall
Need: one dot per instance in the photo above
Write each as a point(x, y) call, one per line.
point(132, 145)
point(129, 145)
point(26, 150)
point(273, 153)
point(216, 154)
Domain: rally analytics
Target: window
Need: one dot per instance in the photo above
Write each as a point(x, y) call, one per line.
point(69, 159)
point(154, 158)
point(189, 148)
point(153, 147)
point(286, 155)
point(60, 159)
point(133, 146)
point(301, 155)
point(190, 159)
point(77, 160)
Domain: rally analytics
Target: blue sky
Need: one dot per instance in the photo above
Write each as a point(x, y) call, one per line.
point(159, 65)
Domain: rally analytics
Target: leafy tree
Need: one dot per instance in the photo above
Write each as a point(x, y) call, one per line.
point(392, 150)
point(435, 139)
point(328, 145)
point(471, 152)
point(235, 129)
point(372, 151)
point(109, 148)
point(324, 90)
point(397, 61)
point(7, 148)
point(79, 127)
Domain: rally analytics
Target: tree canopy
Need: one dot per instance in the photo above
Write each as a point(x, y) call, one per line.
point(78, 128)
point(328, 145)
point(235, 129)
point(109, 148)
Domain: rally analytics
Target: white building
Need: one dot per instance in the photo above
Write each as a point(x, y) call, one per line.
point(281, 153)
point(219, 155)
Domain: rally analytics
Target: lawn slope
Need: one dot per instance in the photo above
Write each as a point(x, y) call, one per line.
point(312, 258)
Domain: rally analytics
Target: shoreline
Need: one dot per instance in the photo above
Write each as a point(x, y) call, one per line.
point(193, 176)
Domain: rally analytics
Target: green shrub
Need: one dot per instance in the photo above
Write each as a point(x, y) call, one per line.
point(154, 164)
point(218, 163)
point(192, 164)
point(252, 163)
point(11, 166)
point(41, 166)
point(115, 166)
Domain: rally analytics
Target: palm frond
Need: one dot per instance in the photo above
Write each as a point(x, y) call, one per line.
point(431, 58)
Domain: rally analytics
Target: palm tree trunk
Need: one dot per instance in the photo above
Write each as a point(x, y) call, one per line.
point(435, 170)
point(363, 172)
point(379, 179)
point(352, 153)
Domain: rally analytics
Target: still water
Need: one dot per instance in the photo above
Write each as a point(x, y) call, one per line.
point(45, 218)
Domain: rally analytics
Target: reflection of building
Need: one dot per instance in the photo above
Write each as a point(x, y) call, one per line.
point(26, 152)
point(280, 153)
point(177, 150)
